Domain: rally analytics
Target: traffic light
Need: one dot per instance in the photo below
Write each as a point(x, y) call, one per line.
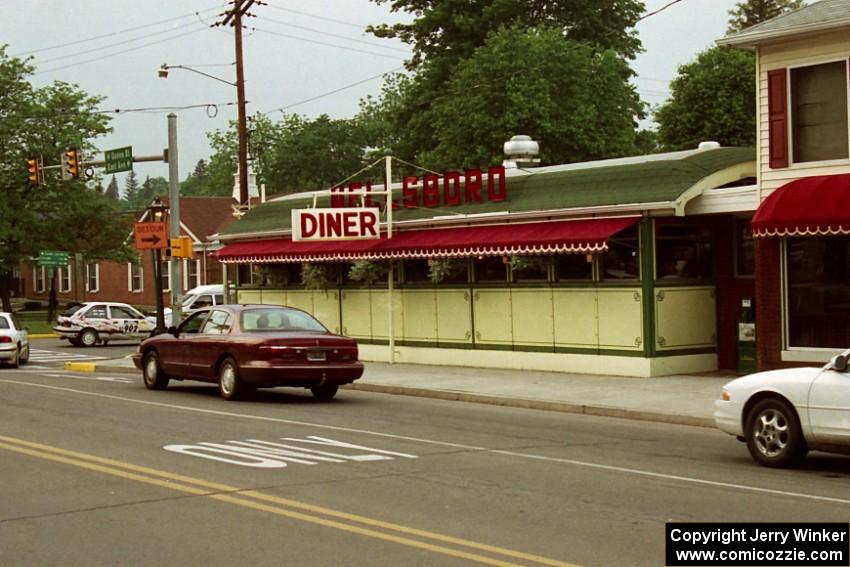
point(33, 171)
point(181, 247)
point(70, 164)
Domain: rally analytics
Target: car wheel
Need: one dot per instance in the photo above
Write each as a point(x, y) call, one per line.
point(324, 391)
point(230, 385)
point(88, 337)
point(25, 355)
point(773, 434)
point(154, 377)
point(16, 361)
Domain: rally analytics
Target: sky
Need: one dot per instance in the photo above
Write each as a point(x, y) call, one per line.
point(309, 57)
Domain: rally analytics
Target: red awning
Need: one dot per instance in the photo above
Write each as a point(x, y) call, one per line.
point(585, 236)
point(806, 207)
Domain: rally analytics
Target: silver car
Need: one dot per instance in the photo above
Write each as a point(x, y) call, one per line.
point(14, 341)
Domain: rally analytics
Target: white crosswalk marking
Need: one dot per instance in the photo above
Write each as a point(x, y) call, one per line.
point(39, 355)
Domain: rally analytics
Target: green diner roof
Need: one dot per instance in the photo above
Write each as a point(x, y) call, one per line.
point(631, 184)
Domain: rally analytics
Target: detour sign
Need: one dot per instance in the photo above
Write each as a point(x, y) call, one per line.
point(150, 235)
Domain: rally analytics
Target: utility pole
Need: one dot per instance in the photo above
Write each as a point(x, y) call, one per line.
point(176, 265)
point(233, 17)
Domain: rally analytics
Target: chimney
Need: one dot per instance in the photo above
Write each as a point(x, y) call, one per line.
point(521, 153)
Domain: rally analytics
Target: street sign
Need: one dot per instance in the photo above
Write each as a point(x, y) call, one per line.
point(52, 258)
point(119, 159)
point(150, 235)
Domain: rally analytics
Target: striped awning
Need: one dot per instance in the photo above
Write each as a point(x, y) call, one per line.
point(583, 236)
point(811, 206)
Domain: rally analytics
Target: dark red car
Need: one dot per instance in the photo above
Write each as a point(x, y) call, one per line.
point(250, 346)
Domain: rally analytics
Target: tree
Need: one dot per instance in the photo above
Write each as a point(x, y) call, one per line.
point(43, 122)
point(713, 98)
point(152, 187)
point(444, 33)
point(131, 190)
point(112, 189)
point(486, 101)
point(751, 12)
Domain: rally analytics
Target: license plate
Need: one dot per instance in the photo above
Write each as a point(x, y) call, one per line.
point(317, 355)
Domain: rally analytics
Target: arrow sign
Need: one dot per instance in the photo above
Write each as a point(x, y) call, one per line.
point(150, 235)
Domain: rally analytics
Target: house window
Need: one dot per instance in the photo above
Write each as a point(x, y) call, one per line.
point(818, 288)
point(92, 278)
point(193, 273)
point(39, 280)
point(64, 276)
point(745, 249)
point(134, 276)
point(165, 275)
point(819, 112)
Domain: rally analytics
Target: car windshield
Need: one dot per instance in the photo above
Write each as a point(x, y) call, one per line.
point(261, 320)
point(72, 309)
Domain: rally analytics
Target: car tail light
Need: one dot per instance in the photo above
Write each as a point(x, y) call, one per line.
point(280, 351)
point(5, 339)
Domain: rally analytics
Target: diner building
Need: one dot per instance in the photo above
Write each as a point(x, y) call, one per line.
point(633, 266)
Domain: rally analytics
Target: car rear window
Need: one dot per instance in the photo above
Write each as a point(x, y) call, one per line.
point(71, 310)
point(260, 320)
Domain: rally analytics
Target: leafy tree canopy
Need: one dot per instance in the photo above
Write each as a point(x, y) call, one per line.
point(713, 98)
point(752, 12)
point(44, 122)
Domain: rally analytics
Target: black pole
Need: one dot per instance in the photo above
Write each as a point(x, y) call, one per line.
point(160, 316)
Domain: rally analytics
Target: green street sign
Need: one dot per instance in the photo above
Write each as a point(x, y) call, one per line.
point(52, 258)
point(119, 159)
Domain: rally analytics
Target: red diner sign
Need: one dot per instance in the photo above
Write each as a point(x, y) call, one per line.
point(431, 191)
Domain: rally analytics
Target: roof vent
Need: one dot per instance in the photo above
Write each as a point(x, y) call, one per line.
point(708, 146)
point(521, 152)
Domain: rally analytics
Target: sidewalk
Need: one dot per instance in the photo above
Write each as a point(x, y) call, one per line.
point(682, 399)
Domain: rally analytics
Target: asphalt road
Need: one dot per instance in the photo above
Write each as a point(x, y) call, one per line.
point(97, 470)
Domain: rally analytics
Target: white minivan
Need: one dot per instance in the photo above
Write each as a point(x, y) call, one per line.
point(198, 298)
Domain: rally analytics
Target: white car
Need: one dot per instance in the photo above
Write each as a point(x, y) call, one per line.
point(197, 298)
point(784, 414)
point(14, 341)
point(88, 324)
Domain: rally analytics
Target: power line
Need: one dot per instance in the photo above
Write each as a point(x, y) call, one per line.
point(311, 99)
point(327, 44)
point(78, 63)
point(313, 30)
point(358, 26)
point(118, 32)
point(658, 11)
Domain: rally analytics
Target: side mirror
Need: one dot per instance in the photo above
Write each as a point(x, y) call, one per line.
point(172, 331)
point(838, 363)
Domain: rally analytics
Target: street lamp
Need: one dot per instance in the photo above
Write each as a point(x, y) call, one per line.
point(158, 212)
point(242, 119)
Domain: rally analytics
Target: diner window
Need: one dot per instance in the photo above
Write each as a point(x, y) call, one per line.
point(448, 270)
point(134, 276)
point(527, 269)
point(745, 249)
point(622, 259)
point(416, 271)
point(682, 252)
point(491, 269)
point(573, 267)
point(818, 284)
point(819, 112)
point(92, 278)
point(245, 274)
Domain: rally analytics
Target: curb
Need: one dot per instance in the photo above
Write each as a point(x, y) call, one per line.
point(44, 336)
point(565, 407)
point(450, 395)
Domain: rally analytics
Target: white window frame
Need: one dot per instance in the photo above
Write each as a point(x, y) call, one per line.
point(165, 275)
point(64, 276)
point(790, 111)
point(96, 287)
point(131, 275)
point(39, 279)
point(187, 285)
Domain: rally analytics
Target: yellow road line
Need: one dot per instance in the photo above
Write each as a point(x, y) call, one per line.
point(236, 496)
